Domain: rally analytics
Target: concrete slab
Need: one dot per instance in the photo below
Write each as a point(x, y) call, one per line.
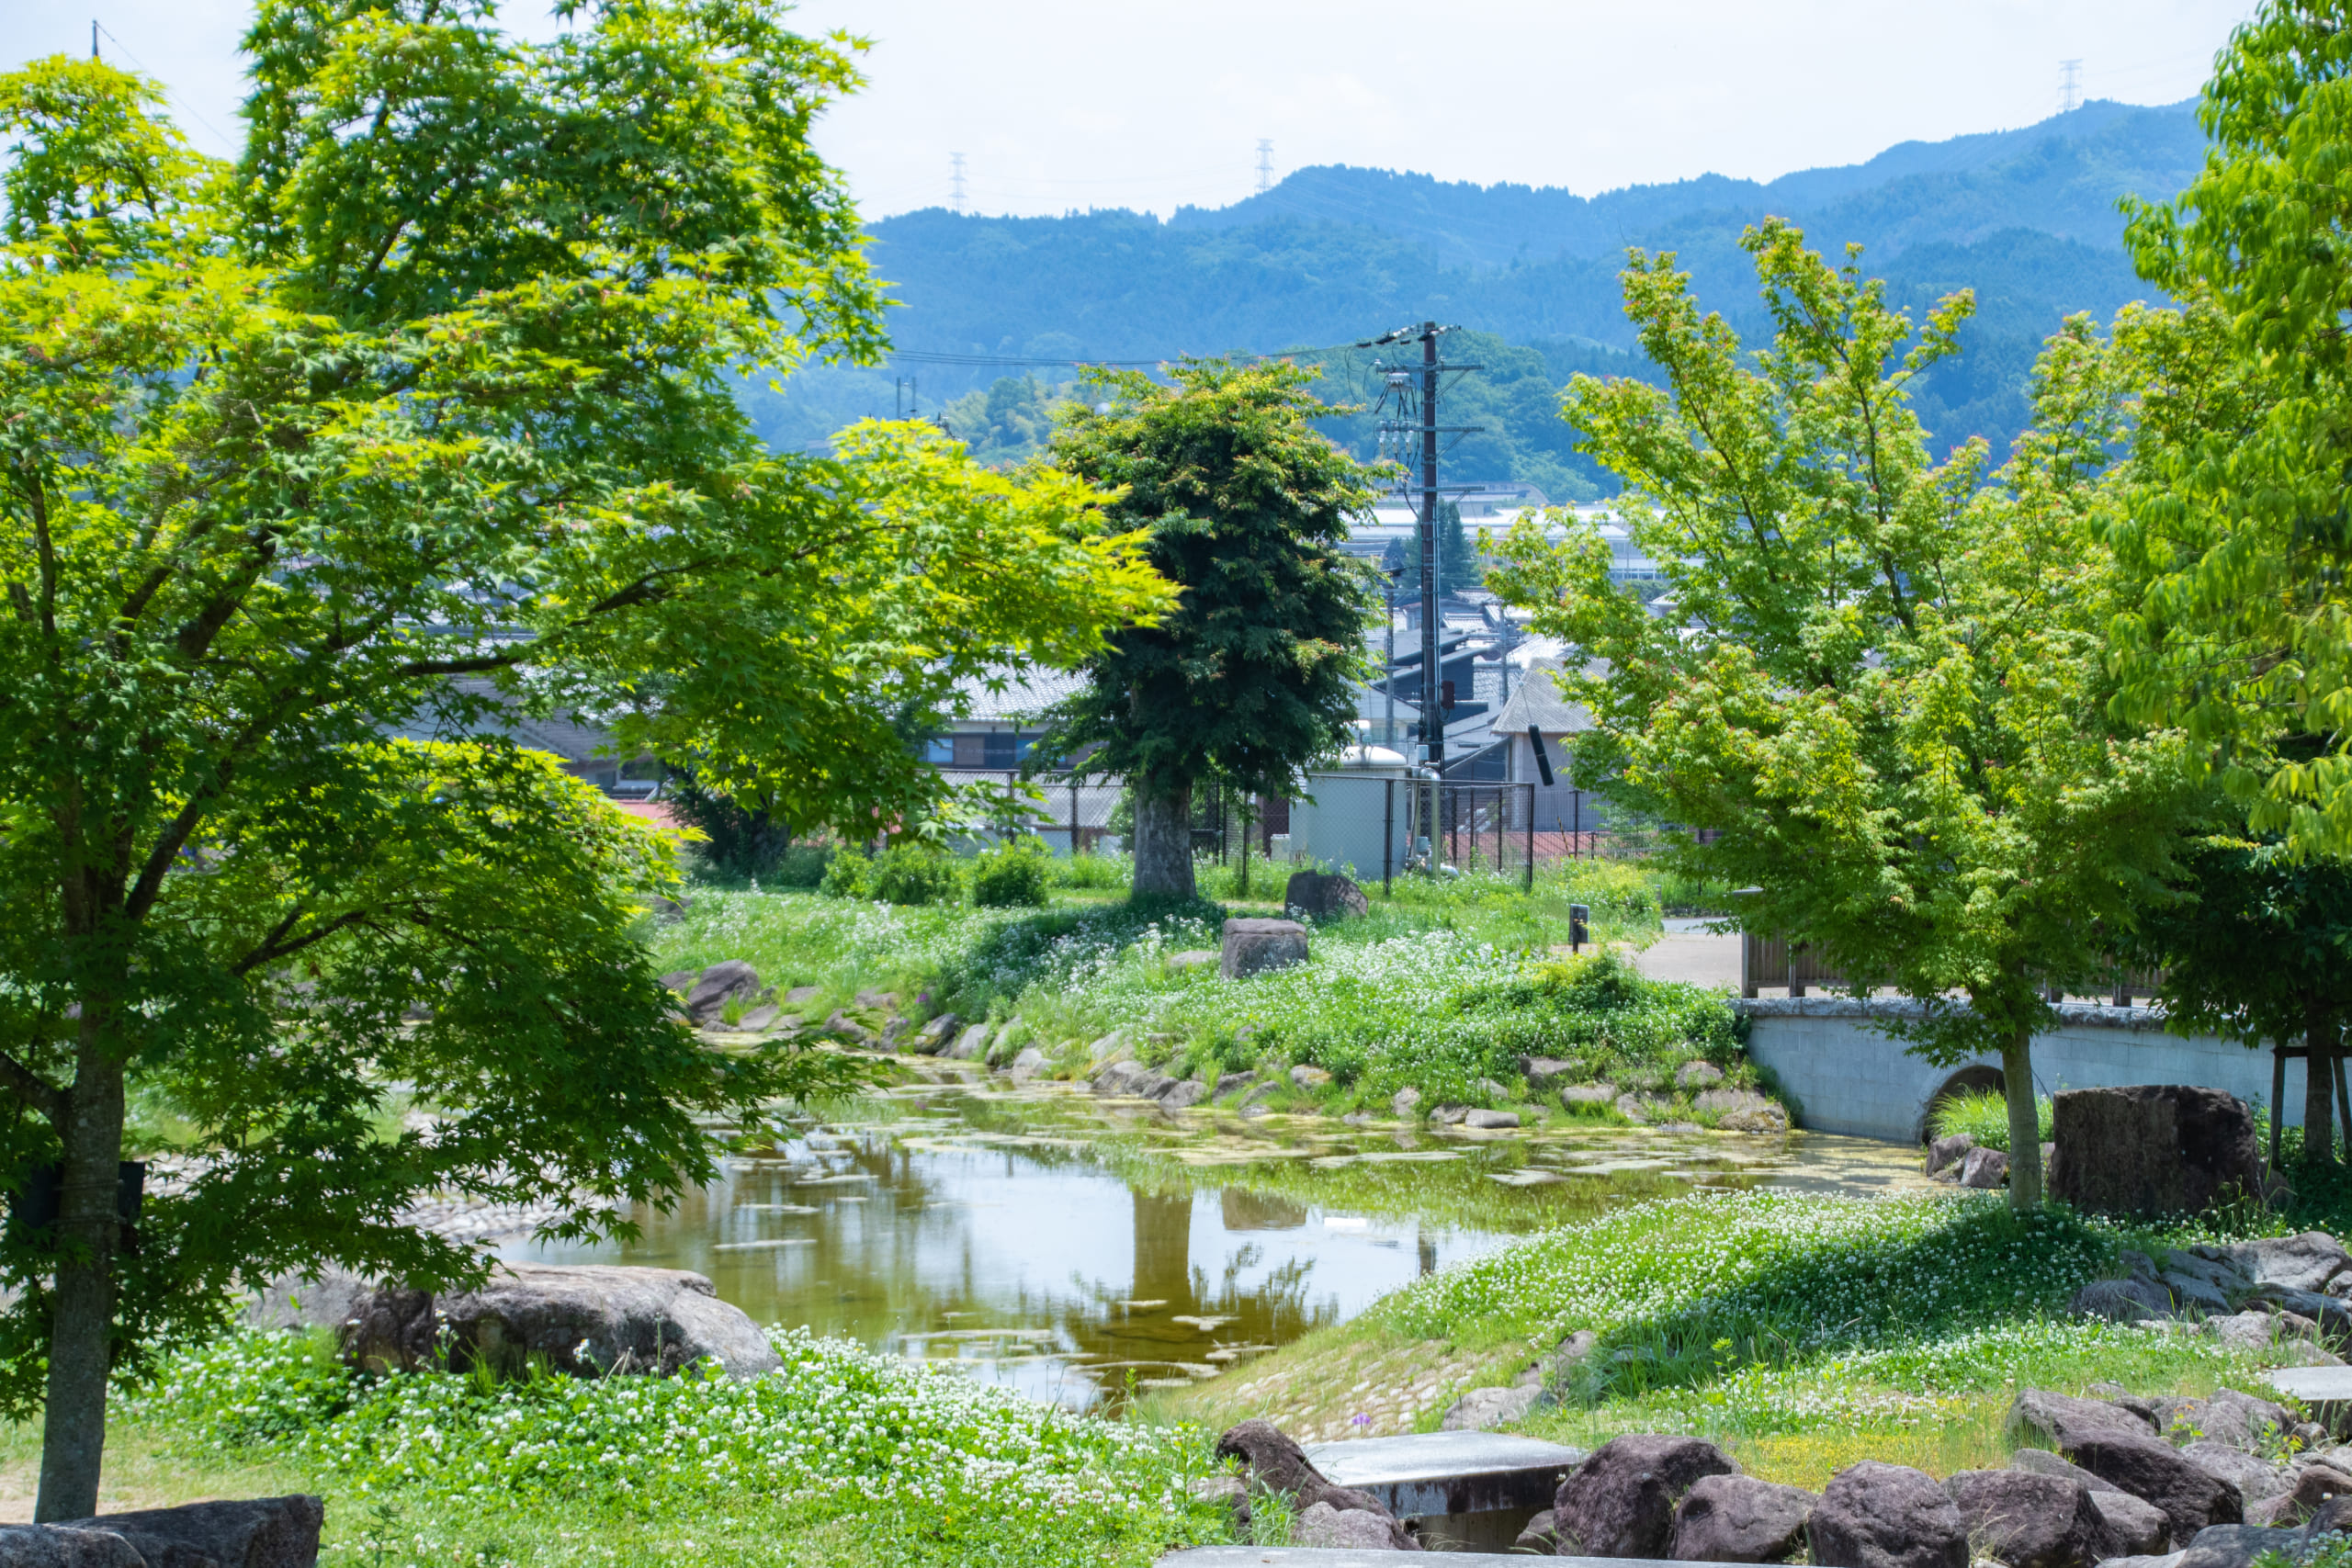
point(1449, 1472)
point(2325, 1391)
point(1318, 1557)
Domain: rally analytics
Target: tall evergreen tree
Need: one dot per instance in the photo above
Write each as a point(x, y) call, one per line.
point(1245, 506)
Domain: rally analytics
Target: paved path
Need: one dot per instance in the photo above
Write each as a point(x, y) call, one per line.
point(1694, 956)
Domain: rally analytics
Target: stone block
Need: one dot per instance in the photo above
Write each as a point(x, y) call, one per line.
point(2151, 1149)
point(252, 1532)
point(1324, 895)
point(1257, 947)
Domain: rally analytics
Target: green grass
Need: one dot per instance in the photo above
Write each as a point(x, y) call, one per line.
point(1983, 1115)
point(1780, 1322)
point(1441, 988)
point(844, 1458)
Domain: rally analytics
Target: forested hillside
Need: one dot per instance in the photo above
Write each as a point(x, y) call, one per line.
point(2027, 218)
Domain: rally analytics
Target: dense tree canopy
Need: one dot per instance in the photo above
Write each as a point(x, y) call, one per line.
point(436, 382)
point(1248, 679)
point(1884, 681)
point(2241, 626)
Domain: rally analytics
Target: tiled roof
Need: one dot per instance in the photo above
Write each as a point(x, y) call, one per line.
point(1024, 698)
point(1537, 702)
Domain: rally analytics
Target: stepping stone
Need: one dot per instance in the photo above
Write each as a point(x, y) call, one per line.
point(1474, 1489)
point(2327, 1390)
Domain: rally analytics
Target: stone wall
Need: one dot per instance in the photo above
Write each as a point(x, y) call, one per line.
point(1848, 1077)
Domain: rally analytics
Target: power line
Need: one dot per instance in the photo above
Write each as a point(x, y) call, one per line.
point(182, 104)
point(2070, 85)
point(1265, 165)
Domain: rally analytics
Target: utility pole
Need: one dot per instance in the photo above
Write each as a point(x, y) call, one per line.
point(1265, 165)
point(2070, 85)
point(1432, 714)
point(957, 159)
point(93, 43)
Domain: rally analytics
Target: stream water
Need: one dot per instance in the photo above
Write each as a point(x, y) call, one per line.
point(1079, 1250)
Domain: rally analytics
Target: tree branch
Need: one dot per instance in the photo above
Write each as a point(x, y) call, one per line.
point(37, 1092)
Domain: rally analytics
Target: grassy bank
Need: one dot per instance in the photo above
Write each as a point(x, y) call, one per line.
point(1795, 1329)
point(844, 1459)
point(1443, 988)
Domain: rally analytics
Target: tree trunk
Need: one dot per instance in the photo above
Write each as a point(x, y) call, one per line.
point(2025, 1121)
point(1163, 840)
point(2319, 1089)
point(74, 1431)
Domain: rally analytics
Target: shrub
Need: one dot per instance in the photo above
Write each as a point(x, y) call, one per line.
point(915, 873)
point(847, 875)
point(1983, 1115)
point(1015, 875)
point(804, 866)
point(1093, 871)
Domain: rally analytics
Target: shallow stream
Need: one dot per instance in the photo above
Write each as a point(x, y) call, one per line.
point(1080, 1250)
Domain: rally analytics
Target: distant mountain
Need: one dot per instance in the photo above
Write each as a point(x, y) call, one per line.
point(2027, 218)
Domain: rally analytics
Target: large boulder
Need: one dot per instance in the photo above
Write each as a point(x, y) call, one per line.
point(1984, 1167)
point(2191, 1498)
point(2312, 1261)
point(1887, 1516)
point(2152, 1149)
point(257, 1532)
point(1255, 947)
point(732, 980)
point(65, 1546)
point(585, 1320)
point(1743, 1110)
point(1948, 1150)
point(2133, 1527)
point(1325, 896)
point(1347, 1529)
point(2238, 1546)
point(2256, 1481)
point(1619, 1503)
point(2227, 1417)
point(2039, 1418)
point(2122, 1301)
point(1278, 1464)
point(2027, 1520)
point(1737, 1519)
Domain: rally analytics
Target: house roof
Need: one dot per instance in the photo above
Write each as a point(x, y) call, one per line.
point(1025, 698)
point(1538, 702)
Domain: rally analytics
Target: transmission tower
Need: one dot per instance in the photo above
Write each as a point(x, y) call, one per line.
point(1265, 165)
point(957, 178)
point(2070, 85)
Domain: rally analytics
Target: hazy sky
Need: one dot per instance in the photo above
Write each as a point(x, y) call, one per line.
point(1058, 105)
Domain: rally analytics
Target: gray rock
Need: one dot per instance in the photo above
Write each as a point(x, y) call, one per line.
point(934, 1036)
point(2256, 1481)
point(2169, 1560)
point(1131, 1079)
point(760, 1020)
point(2236, 1546)
point(2122, 1301)
point(258, 1533)
point(1319, 1525)
point(1027, 1064)
point(1483, 1409)
point(1743, 1110)
point(2194, 1292)
point(1183, 1094)
point(1542, 1071)
point(2238, 1420)
point(1887, 1516)
point(2311, 1487)
point(2250, 1330)
point(2155, 1472)
point(1197, 958)
point(1404, 1102)
point(1698, 1074)
point(1537, 1538)
point(2027, 1520)
point(1984, 1167)
point(2152, 1149)
point(970, 1045)
point(1257, 947)
point(732, 980)
point(1491, 1120)
point(1576, 1095)
point(1620, 1502)
point(1737, 1519)
point(1229, 1490)
point(681, 980)
point(1326, 895)
point(1948, 1150)
point(802, 996)
point(840, 1025)
point(2042, 1461)
point(1105, 1048)
point(2040, 1418)
point(1448, 1115)
point(2133, 1526)
point(582, 1320)
point(1305, 1076)
point(1227, 1082)
point(1631, 1109)
point(1278, 1464)
point(66, 1546)
point(2312, 1261)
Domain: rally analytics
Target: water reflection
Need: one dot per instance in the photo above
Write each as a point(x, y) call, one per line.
point(1081, 1252)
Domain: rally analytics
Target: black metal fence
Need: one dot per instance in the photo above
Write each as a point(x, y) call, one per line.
point(1770, 962)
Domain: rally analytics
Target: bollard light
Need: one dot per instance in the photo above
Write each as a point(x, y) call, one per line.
point(1578, 917)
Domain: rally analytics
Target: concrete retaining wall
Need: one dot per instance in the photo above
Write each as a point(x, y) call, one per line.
point(1848, 1077)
